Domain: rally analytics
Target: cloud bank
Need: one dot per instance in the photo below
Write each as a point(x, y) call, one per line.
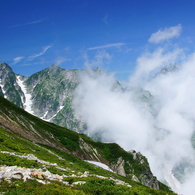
point(165, 34)
point(154, 113)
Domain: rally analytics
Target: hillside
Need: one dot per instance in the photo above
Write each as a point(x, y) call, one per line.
point(50, 157)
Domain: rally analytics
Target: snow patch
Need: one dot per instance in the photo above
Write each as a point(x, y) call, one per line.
point(99, 164)
point(61, 107)
point(28, 98)
point(43, 117)
point(1, 85)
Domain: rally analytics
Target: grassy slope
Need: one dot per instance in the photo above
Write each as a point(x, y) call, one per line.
point(63, 138)
point(93, 185)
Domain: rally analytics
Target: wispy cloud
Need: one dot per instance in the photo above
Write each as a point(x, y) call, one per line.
point(107, 46)
point(28, 23)
point(59, 60)
point(39, 54)
point(17, 59)
point(101, 58)
point(105, 19)
point(150, 63)
point(165, 34)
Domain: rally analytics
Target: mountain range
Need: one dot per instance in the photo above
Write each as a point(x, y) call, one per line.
point(36, 152)
point(46, 94)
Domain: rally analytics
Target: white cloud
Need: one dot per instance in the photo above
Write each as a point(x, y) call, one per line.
point(150, 63)
point(59, 60)
point(101, 58)
point(39, 54)
point(165, 34)
point(160, 127)
point(117, 45)
point(17, 59)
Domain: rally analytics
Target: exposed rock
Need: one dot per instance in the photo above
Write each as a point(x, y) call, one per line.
point(78, 183)
point(146, 177)
point(134, 178)
point(133, 152)
point(137, 156)
point(39, 175)
point(85, 174)
point(119, 167)
point(9, 86)
point(149, 180)
point(9, 172)
point(119, 182)
point(89, 150)
point(15, 172)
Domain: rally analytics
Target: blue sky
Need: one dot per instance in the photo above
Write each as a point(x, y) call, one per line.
point(76, 34)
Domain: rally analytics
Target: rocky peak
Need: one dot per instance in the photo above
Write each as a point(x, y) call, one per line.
point(9, 86)
point(6, 73)
point(53, 68)
point(119, 167)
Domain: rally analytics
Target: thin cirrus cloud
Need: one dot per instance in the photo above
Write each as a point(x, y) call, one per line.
point(166, 34)
point(112, 45)
point(17, 59)
point(28, 23)
point(30, 58)
point(105, 19)
point(60, 60)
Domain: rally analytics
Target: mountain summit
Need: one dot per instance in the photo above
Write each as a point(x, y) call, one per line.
point(46, 94)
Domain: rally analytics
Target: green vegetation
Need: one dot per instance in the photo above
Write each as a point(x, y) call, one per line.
point(107, 187)
point(32, 187)
point(8, 160)
point(91, 187)
point(54, 144)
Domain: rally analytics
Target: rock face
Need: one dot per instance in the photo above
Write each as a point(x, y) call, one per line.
point(91, 153)
point(15, 172)
point(149, 180)
point(9, 87)
point(119, 167)
point(145, 175)
point(52, 90)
